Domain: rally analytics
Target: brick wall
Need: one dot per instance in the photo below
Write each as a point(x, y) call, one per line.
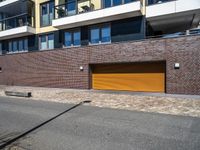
point(55, 68)
point(185, 51)
point(60, 68)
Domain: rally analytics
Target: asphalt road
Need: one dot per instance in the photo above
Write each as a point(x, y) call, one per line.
point(92, 128)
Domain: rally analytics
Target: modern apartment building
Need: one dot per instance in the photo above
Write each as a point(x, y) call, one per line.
point(131, 45)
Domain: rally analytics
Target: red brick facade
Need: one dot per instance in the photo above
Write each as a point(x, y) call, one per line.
point(61, 68)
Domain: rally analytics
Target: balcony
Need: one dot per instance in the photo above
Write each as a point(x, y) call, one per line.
point(16, 26)
point(86, 12)
point(169, 15)
point(7, 2)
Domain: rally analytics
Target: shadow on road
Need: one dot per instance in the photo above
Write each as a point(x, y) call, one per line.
point(8, 139)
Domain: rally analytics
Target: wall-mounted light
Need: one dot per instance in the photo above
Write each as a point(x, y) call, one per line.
point(81, 68)
point(176, 66)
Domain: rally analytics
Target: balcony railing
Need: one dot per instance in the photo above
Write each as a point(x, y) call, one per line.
point(16, 21)
point(82, 6)
point(151, 2)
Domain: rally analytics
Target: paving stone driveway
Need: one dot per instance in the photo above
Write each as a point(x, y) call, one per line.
point(160, 103)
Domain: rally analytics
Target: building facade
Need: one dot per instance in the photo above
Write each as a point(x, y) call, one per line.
point(131, 45)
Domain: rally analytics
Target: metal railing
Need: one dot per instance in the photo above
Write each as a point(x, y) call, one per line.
point(16, 21)
point(80, 6)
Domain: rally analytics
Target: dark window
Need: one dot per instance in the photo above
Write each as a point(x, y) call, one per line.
point(18, 45)
point(47, 11)
point(128, 1)
point(107, 3)
point(110, 3)
point(117, 2)
point(72, 38)
point(127, 26)
point(157, 1)
point(128, 29)
point(100, 34)
point(46, 41)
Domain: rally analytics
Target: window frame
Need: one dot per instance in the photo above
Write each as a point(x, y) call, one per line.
point(47, 43)
point(100, 26)
point(48, 12)
point(122, 2)
point(72, 31)
point(17, 44)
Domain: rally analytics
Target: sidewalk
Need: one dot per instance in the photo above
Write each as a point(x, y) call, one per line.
point(187, 105)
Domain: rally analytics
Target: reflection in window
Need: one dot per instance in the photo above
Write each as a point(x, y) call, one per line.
point(51, 41)
point(100, 34)
point(15, 46)
point(76, 39)
point(71, 7)
point(46, 41)
point(43, 42)
point(68, 39)
point(110, 3)
point(47, 11)
point(117, 2)
point(20, 45)
point(105, 34)
point(72, 38)
point(107, 3)
point(128, 1)
point(95, 35)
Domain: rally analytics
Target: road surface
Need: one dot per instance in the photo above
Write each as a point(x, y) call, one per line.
point(93, 128)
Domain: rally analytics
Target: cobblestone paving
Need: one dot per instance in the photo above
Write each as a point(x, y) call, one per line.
point(160, 103)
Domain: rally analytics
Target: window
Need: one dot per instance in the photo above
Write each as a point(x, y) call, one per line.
point(100, 34)
point(51, 41)
point(70, 7)
point(105, 34)
point(128, 1)
point(46, 41)
point(117, 2)
point(47, 12)
point(95, 35)
point(72, 38)
point(110, 3)
point(19, 45)
point(15, 47)
point(43, 42)
point(107, 3)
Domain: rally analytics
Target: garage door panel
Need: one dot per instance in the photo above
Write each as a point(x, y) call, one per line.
point(151, 82)
point(141, 77)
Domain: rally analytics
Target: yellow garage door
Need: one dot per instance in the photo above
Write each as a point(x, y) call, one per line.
point(141, 77)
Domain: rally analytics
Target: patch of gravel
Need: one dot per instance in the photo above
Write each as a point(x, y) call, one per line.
point(186, 106)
